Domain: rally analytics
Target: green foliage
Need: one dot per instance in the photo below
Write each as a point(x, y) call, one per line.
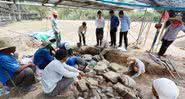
point(150, 16)
point(89, 14)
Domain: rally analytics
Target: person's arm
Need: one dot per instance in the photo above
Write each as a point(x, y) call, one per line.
point(13, 67)
point(85, 30)
point(96, 23)
point(22, 67)
point(103, 22)
point(183, 28)
point(66, 73)
point(47, 55)
point(117, 21)
point(135, 75)
point(70, 68)
point(128, 22)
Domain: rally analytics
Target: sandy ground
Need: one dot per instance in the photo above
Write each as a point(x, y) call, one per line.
point(19, 30)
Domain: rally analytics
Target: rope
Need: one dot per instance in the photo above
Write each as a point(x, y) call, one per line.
point(144, 6)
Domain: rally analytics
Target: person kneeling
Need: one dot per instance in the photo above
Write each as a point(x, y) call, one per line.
point(58, 76)
point(136, 67)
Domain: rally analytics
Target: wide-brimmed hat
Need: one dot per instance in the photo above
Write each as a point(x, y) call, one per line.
point(166, 88)
point(6, 43)
point(179, 18)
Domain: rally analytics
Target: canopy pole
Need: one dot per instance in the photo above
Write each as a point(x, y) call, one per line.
point(148, 30)
point(157, 33)
point(141, 28)
point(160, 37)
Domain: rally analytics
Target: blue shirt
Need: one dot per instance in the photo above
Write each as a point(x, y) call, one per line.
point(125, 23)
point(71, 61)
point(42, 58)
point(7, 64)
point(114, 22)
point(171, 33)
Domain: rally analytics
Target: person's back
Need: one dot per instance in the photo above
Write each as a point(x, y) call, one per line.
point(71, 61)
point(7, 64)
point(42, 58)
point(57, 75)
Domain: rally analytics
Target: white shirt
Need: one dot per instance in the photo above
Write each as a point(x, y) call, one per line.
point(54, 72)
point(100, 23)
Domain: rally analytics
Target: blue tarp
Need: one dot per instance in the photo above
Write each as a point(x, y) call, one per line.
point(132, 4)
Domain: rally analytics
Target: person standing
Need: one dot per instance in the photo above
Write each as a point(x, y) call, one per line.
point(100, 23)
point(55, 27)
point(125, 25)
point(81, 33)
point(171, 33)
point(114, 23)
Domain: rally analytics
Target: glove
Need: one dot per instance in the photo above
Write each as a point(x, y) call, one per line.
point(158, 26)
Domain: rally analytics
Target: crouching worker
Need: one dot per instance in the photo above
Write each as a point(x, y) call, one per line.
point(57, 76)
point(11, 72)
point(43, 56)
point(73, 60)
point(136, 67)
point(66, 46)
point(164, 88)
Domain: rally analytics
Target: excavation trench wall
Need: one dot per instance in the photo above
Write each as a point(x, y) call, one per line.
point(120, 57)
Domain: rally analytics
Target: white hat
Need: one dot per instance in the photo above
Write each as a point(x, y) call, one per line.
point(67, 46)
point(166, 88)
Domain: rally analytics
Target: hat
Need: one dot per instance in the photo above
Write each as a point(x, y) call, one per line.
point(166, 88)
point(67, 46)
point(130, 60)
point(179, 18)
point(5, 43)
point(55, 13)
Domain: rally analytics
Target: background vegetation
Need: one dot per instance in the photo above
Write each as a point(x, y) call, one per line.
point(88, 14)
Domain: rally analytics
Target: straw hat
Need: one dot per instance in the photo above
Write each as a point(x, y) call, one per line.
point(179, 18)
point(55, 13)
point(6, 43)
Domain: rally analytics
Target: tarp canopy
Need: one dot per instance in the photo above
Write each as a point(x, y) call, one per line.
point(165, 4)
point(92, 4)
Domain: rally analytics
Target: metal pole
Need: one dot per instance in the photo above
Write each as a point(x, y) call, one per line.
point(141, 28)
point(157, 33)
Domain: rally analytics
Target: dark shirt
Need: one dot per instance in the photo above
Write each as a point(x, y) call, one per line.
point(42, 58)
point(71, 61)
point(114, 22)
